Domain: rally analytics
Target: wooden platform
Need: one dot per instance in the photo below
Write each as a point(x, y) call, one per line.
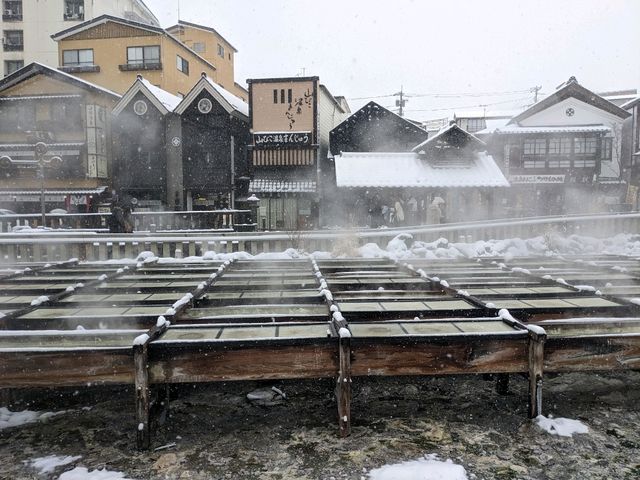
point(153, 324)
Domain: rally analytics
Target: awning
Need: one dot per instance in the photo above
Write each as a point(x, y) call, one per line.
point(516, 129)
point(50, 195)
point(409, 170)
point(272, 185)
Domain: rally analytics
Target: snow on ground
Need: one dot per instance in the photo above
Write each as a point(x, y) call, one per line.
point(13, 419)
point(49, 463)
point(564, 427)
point(427, 468)
point(82, 473)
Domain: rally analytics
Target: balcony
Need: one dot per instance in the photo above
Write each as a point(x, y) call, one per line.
point(132, 67)
point(80, 68)
point(12, 47)
point(9, 16)
point(75, 17)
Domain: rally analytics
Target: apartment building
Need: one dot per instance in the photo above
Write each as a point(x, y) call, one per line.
point(214, 48)
point(27, 26)
point(112, 51)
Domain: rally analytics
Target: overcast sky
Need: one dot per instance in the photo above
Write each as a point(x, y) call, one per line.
point(370, 48)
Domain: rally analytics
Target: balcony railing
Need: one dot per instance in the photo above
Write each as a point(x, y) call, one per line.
point(13, 47)
point(79, 68)
point(11, 17)
point(129, 67)
point(73, 16)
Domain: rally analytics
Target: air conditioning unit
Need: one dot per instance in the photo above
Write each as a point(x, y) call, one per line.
point(8, 12)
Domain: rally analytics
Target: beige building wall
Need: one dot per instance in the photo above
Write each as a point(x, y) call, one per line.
point(110, 53)
point(277, 116)
point(202, 38)
point(43, 18)
point(44, 85)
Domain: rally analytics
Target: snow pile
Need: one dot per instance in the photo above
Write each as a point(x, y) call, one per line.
point(13, 419)
point(427, 468)
point(81, 473)
point(39, 301)
point(564, 427)
point(49, 463)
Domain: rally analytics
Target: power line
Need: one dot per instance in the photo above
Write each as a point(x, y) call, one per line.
point(469, 106)
point(450, 95)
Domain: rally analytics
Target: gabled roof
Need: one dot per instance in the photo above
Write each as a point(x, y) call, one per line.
point(36, 68)
point(571, 89)
point(363, 112)
point(164, 101)
point(201, 27)
point(630, 104)
point(81, 27)
point(452, 129)
point(232, 104)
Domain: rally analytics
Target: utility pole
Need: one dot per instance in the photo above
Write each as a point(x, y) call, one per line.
point(400, 103)
point(535, 91)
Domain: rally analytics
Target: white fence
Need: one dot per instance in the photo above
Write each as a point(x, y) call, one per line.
point(61, 245)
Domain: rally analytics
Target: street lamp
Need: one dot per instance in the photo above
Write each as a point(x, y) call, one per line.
point(40, 151)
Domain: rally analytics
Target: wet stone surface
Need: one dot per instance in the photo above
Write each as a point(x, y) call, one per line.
point(219, 434)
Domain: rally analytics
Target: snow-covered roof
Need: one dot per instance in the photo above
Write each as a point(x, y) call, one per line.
point(228, 100)
point(169, 100)
point(236, 102)
point(444, 131)
point(409, 170)
point(630, 103)
point(486, 114)
point(515, 129)
point(35, 68)
point(164, 101)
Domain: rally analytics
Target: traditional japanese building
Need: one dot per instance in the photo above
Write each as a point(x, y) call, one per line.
point(72, 118)
point(449, 172)
point(215, 135)
point(147, 154)
point(373, 128)
point(290, 123)
point(173, 153)
point(563, 154)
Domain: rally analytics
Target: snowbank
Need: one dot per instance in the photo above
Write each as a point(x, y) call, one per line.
point(427, 468)
point(81, 473)
point(13, 419)
point(49, 463)
point(564, 427)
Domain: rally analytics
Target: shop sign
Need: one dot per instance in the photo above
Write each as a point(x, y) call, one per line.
point(279, 139)
point(531, 179)
point(77, 199)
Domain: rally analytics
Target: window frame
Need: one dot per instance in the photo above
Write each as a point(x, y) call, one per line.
point(73, 10)
point(221, 51)
point(182, 64)
point(77, 63)
point(144, 61)
point(8, 71)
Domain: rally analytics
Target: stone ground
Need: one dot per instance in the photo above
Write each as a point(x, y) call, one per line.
point(218, 434)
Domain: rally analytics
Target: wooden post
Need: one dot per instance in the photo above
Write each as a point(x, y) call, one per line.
point(536, 366)
point(143, 434)
point(502, 383)
point(343, 387)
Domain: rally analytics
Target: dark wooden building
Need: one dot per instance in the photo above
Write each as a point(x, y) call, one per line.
point(215, 132)
point(373, 128)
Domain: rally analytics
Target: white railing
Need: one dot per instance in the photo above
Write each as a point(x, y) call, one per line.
point(61, 244)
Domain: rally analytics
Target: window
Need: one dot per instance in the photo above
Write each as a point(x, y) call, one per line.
point(536, 146)
point(534, 163)
point(77, 57)
point(475, 124)
point(182, 65)
point(607, 148)
point(584, 145)
point(289, 97)
point(275, 95)
point(11, 66)
point(282, 95)
point(198, 47)
point(560, 146)
point(584, 163)
point(13, 41)
point(12, 10)
point(143, 55)
point(220, 51)
point(73, 10)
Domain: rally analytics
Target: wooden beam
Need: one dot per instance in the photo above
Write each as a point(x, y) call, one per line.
point(143, 434)
point(536, 366)
point(343, 387)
